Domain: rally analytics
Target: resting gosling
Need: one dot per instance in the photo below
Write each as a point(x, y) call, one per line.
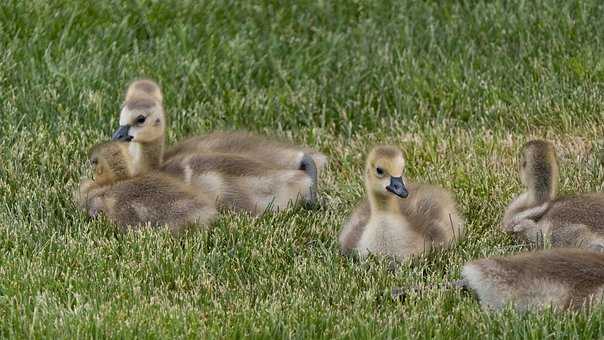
point(143, 124)
point(540, 217)
point(132, 202)
point(242, 184)
point(399, 219)
point(560, 278)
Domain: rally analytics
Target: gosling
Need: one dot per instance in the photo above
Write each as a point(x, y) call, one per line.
point(133, 202)
point(399, 219)
point(559, 278)
point(143, 124)
point(539, 217)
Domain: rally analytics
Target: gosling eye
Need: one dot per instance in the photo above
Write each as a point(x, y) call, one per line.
point(140, 119)
point(379, 171)
point(524, 163)
point(94, 161)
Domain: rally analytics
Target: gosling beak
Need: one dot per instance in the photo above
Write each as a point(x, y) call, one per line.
point(122, 134)
point(397, 187)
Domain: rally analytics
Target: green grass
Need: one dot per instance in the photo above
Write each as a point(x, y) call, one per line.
point(459, 86)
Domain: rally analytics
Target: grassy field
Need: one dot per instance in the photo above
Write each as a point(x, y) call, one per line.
point(459, 86)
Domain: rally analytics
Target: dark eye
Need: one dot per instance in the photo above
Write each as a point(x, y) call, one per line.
point(524, 163)
point(379, 171)
point(140, 119)
point(94, 161)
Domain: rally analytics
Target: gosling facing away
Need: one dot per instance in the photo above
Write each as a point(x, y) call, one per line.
point(399, 219)
point(539, 217)
point(132, 202)
point(560, 278)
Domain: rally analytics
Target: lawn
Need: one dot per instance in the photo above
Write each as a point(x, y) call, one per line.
point(459, 86)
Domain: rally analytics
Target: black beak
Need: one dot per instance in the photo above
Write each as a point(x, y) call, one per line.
point(122, 134)
point(397, 187)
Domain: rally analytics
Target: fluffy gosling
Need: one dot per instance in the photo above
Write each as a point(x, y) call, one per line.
point(399, 219)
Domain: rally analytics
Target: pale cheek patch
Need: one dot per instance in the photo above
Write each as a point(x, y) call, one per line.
point(383, 183)
point(125, 116)
point(134, 133)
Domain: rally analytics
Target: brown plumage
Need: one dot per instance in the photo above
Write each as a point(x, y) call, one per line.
point(242, 184)
point(560, 278)
point(400, 226)
point(133, 201)
point(538, 216)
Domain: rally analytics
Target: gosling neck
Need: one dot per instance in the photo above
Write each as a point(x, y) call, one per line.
point(147, 156)
point(543, 187)
point(383, 202)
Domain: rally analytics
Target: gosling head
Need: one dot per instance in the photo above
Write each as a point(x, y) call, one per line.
point(110, 162)
point(142, 118)
point(539, 168)
point(384, 175)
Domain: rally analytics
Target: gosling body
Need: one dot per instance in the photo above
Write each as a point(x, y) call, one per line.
point(260, 148)
point(399, 219)
point(558, 278)
point(242, 184)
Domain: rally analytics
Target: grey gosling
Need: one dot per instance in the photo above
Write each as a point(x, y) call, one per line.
point(560, 278)
point(399, 219)
point(539, 217)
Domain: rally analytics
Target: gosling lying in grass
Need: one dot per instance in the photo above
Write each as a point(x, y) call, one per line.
point(132, 202)
point(399, 219)
point(539, 217)
point(264, 172)
point(560, 278)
